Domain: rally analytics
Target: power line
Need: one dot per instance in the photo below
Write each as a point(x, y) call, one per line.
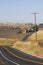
point(35, 24)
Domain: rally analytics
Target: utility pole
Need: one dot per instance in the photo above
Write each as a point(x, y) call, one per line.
point(35, 25)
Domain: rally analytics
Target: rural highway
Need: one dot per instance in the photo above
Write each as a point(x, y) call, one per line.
point(12, 56)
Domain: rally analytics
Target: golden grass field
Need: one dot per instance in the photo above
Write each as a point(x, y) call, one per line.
point(7, 41)
point(39, 36)
point(31, 47)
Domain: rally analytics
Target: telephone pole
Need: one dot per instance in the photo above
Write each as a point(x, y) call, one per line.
point(35, 25)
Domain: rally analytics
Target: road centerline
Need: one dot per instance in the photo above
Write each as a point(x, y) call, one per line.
point(22, 57)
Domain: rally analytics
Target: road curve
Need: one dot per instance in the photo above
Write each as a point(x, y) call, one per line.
point(8, 59)
point(11, 56)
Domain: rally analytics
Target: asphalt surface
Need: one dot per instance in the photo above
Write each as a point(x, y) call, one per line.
point(11, 56)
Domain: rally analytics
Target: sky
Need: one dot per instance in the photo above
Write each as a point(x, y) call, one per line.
point(20, 11)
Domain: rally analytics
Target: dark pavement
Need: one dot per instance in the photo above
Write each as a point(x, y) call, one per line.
point(10, 56)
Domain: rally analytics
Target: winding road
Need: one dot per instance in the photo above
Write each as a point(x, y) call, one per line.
point(12, 56)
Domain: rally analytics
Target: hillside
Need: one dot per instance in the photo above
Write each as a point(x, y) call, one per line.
point(32, 47)
point(39, 36)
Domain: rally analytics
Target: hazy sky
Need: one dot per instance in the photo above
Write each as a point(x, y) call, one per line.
point(21, 10)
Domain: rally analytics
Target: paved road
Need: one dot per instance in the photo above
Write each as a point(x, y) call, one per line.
point(10, 56)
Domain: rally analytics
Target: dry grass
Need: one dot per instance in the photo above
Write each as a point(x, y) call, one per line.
point(29, 48)
point(39, 36)
point(7, 41)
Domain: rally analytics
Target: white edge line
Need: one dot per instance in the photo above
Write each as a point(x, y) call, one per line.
point(8, 59)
